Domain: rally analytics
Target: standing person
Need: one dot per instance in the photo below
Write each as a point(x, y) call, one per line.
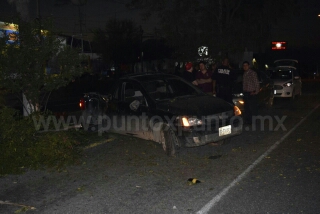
point(251, 88)
point(223, 78)
point(188, 74)
point(203, 78)
point(177, 71)
point(213, 69)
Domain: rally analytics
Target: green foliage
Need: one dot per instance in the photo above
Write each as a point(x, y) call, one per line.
point(2, 97)
point(54, 150)
point(23, 148)
point(23, 64)
point(16, 135)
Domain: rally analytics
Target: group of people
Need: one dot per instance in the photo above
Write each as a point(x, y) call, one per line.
point(219, 80)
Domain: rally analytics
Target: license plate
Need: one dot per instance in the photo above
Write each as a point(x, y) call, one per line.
point(275, 91)
point(225, 130)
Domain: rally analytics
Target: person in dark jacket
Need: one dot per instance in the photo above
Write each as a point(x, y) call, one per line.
point(223, 77)
point(203, 78)
point(213, 69)
point(188, 74)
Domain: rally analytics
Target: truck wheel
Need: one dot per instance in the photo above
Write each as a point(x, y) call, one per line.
point(170, 142)
point(90, 121)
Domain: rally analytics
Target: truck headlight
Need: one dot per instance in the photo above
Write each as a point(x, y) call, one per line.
point(190, 121)
point(237, 111)
point(288, 84)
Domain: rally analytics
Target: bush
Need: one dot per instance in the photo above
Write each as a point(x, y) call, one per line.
point(54, 150)
point(23, 148)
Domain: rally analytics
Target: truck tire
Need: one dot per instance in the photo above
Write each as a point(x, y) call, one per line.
point(170, 142)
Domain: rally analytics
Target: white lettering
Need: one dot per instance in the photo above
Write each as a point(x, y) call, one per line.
point(224, 71)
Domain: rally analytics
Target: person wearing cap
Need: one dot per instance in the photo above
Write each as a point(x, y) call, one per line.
point(203, 78)
point(188, 74)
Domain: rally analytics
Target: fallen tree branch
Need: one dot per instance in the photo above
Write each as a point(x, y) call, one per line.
point(19, 205)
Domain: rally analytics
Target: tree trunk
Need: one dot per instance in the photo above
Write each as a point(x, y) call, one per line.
point(28, 108)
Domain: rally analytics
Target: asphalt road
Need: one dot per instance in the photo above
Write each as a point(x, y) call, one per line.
point(268, 169)
point(285, 179)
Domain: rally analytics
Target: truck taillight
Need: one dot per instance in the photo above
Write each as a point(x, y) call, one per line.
point(82, 104)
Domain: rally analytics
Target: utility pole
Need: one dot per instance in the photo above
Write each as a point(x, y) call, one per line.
point(81, 23)
point(141, 56)
point(22, 8)
point(80, 4)
point(38, 9)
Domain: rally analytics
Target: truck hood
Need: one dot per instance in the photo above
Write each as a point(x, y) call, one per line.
point(195, 106)
point(281, 81)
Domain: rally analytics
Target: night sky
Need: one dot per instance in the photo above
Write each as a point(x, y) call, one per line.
point(300, 32)
point(95, 13)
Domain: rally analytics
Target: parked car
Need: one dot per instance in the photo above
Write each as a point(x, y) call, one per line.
point(265, 95)
point(169, 110)
point(287, 82)
point(93, 105)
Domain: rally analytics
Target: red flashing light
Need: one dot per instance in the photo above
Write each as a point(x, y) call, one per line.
point(279, 45)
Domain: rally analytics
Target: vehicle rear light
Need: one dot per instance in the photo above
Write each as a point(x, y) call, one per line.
point(82, 104)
